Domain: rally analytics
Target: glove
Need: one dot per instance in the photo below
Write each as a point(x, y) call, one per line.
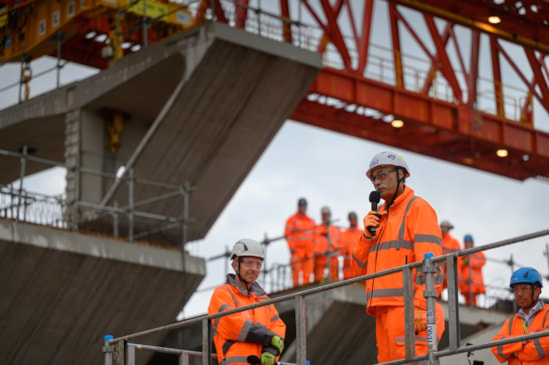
point(420, 320)
point(371, 220)
point(278, 343)
point(267, 358)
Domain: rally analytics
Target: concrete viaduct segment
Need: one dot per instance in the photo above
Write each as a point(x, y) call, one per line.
point(199, 108)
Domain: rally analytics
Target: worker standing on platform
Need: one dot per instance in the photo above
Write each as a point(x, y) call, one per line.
point(327, 244)
point(349, 238)
point(471, 281)
point(299, 233)
point(401, 232)
point(526, 284)
point(449, 245)
point(256, 332)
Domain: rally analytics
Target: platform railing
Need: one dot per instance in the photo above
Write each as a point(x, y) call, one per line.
point(429, 269)
point(118, 221)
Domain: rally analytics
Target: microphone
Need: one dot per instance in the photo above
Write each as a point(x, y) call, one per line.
point(374, 199)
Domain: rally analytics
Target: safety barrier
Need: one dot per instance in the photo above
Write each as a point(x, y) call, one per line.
point(18, 204)
point(116, 349)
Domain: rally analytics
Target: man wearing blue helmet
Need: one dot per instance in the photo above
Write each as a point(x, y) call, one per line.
point(526, 284)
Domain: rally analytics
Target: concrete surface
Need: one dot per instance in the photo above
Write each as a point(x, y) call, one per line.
point(62, 291)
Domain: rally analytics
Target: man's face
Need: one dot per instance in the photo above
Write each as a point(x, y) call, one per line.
point(523, 294)
point(444, 229)
point(353, 221)
point(302, 208)
point(250, 268)
point(385, 180)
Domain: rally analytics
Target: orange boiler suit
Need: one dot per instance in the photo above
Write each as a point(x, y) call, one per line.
point(299, 232)
point(449, 245)
point(407, 231)
point(471, 281)
point(533, 351)
point(323, 248)
point(246, 333)
point(349, 238)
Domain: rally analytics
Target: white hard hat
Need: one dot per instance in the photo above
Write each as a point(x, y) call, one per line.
point(388, 158)
point(446, 224)
point(325, 210)
point(247, 248)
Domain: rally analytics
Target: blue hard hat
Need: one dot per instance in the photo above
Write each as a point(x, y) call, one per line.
point(468, 237)
point(526, 275)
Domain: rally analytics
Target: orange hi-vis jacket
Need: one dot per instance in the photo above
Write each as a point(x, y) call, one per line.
point(533, 351)
point(349, 238)
point(242, 334)
point(405, 234)
point(470, 273)
point(299, 232)
point(449, 244)
point(321, 239)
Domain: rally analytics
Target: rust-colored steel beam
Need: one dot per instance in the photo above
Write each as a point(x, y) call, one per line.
point(455, 133)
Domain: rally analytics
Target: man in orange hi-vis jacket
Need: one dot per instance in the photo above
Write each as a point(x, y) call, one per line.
point(471, 280)
point(327, 244)
point(532, 317)
point(257, 332)
point(299, 232)
point(349, 238)
point(449, 245)
point(403, 230)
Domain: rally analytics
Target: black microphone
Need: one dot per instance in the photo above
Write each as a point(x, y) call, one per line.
point(252, 359)
point(374, 199)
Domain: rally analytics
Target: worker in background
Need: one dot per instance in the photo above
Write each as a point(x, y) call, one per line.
point(256, 332)
point(327, 245)
point(471, 281)
point(526, 284)
point(349, 238)
point(402, 231)
point(299, 233)
point(449, 245)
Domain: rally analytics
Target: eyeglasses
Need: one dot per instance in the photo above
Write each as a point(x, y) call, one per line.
point(251, 263)
point(521, 289)
point(381, 175)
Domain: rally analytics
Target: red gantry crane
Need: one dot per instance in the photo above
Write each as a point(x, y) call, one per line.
point(460, 80)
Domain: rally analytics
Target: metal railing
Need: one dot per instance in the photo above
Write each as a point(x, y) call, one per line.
point(19, 204)
point(118, 348)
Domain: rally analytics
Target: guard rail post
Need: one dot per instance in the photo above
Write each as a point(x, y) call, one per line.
point(430, 294)
point(108, 349)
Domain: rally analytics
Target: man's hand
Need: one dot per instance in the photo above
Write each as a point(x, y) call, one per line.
point(267, 359)
point(371, 220)
point(278, 343)
point(420, 320)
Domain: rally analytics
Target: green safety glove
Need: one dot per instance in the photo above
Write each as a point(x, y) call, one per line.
point(278, 343)
point(267, 358)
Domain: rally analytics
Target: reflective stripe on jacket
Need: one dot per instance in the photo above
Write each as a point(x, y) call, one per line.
point(299, 232)
point(534, 351)
point(242, 334)
point(406, 233)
